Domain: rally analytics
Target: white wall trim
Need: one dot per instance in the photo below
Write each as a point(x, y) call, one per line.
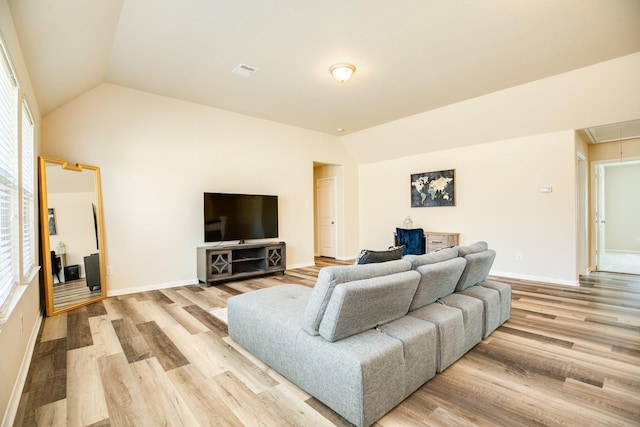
point(16, 394)
point(303, 265)
point(152, 287)
point(550, 280)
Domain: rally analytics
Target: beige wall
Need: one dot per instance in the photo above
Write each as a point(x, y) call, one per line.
point(498, 199)
point(18, 334)
point(158, 155)
point(628, 149)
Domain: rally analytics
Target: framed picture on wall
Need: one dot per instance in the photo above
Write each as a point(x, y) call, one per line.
point(52, 222)
point(433, 189)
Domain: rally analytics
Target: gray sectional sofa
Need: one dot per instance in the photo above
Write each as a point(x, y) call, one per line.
point(367, 336)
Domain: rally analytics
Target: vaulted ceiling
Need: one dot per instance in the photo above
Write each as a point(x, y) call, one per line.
point(411, 55)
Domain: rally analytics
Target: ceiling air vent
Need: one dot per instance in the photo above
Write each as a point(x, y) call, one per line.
point(244, 70)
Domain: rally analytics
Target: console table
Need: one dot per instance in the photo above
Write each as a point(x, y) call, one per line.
point(438, 240)
point(229, 262)
point(434, 240)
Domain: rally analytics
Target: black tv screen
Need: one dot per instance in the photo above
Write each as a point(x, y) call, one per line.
point(239, 217)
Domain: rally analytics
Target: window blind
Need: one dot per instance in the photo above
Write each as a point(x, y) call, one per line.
point(28, 192)
point(8, 180)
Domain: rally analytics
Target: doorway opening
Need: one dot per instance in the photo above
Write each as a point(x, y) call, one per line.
point(616, 216)
point(326, 225)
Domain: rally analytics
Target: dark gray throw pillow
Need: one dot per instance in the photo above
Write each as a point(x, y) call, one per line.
point(367, 256)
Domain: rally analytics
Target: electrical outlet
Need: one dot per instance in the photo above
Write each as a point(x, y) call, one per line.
point(109, 270)
point(518, 256)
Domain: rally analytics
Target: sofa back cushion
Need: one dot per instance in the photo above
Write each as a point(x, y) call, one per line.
point(437, 281)
point(360, 305)
point(432, 257)
point(472, 248)
point(477, 268)
point(330, 277)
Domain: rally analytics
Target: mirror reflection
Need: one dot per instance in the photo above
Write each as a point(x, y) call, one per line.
point(71, 234)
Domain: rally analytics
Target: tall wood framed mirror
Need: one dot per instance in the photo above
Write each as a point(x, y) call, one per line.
point(72, 234)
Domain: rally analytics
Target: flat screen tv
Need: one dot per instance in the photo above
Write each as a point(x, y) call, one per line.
point(239, 217)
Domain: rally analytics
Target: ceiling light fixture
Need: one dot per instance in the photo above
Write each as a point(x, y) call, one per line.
point(342, 72)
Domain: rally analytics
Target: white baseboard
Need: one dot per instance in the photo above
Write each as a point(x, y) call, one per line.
point(126, 291)
point(551, 280)
point(16, 394)
point(157, 286)
point(303, 265)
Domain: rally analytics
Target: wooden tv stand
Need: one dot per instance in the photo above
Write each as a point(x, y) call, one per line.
point(237, 261)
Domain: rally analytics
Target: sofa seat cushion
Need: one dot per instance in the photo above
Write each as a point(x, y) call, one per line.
point(359, 305)
point(437, 281)
point(504, 290)
point(266, 322)
point(472, 313)
point(491, 312)
point(420, 345)
point(431, 258)
point(477, 269)
point(360, 377)
point(330, 277)
point(449, 325)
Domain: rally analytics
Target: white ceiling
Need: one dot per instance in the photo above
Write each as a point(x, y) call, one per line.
point(411, 55)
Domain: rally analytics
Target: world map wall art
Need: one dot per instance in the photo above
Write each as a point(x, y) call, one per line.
point(433, 189)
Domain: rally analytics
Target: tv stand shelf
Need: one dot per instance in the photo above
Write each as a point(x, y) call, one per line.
point(238, 261)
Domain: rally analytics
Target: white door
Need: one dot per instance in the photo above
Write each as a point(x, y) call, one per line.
point(326, 190)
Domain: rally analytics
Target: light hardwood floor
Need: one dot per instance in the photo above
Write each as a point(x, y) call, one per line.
point(568, 356)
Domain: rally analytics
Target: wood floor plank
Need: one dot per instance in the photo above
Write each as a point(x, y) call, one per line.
point(167, 353)
point(48, 381)
point(199, 395)
point(244, 404)
point(167, 406)
point(296, 412)
point(78, 329)
point(133, 344)
point(191, 324)
point(123, 393)
point(96, 309)
point(214, 324)
point(256, 379)
point(569, 355)
point(203, 299)
point(198, 353)
point(175, 296)
point(54, 328)
point(52, 414)
point(155, 310)
point(86, 403)
point(105, 339)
